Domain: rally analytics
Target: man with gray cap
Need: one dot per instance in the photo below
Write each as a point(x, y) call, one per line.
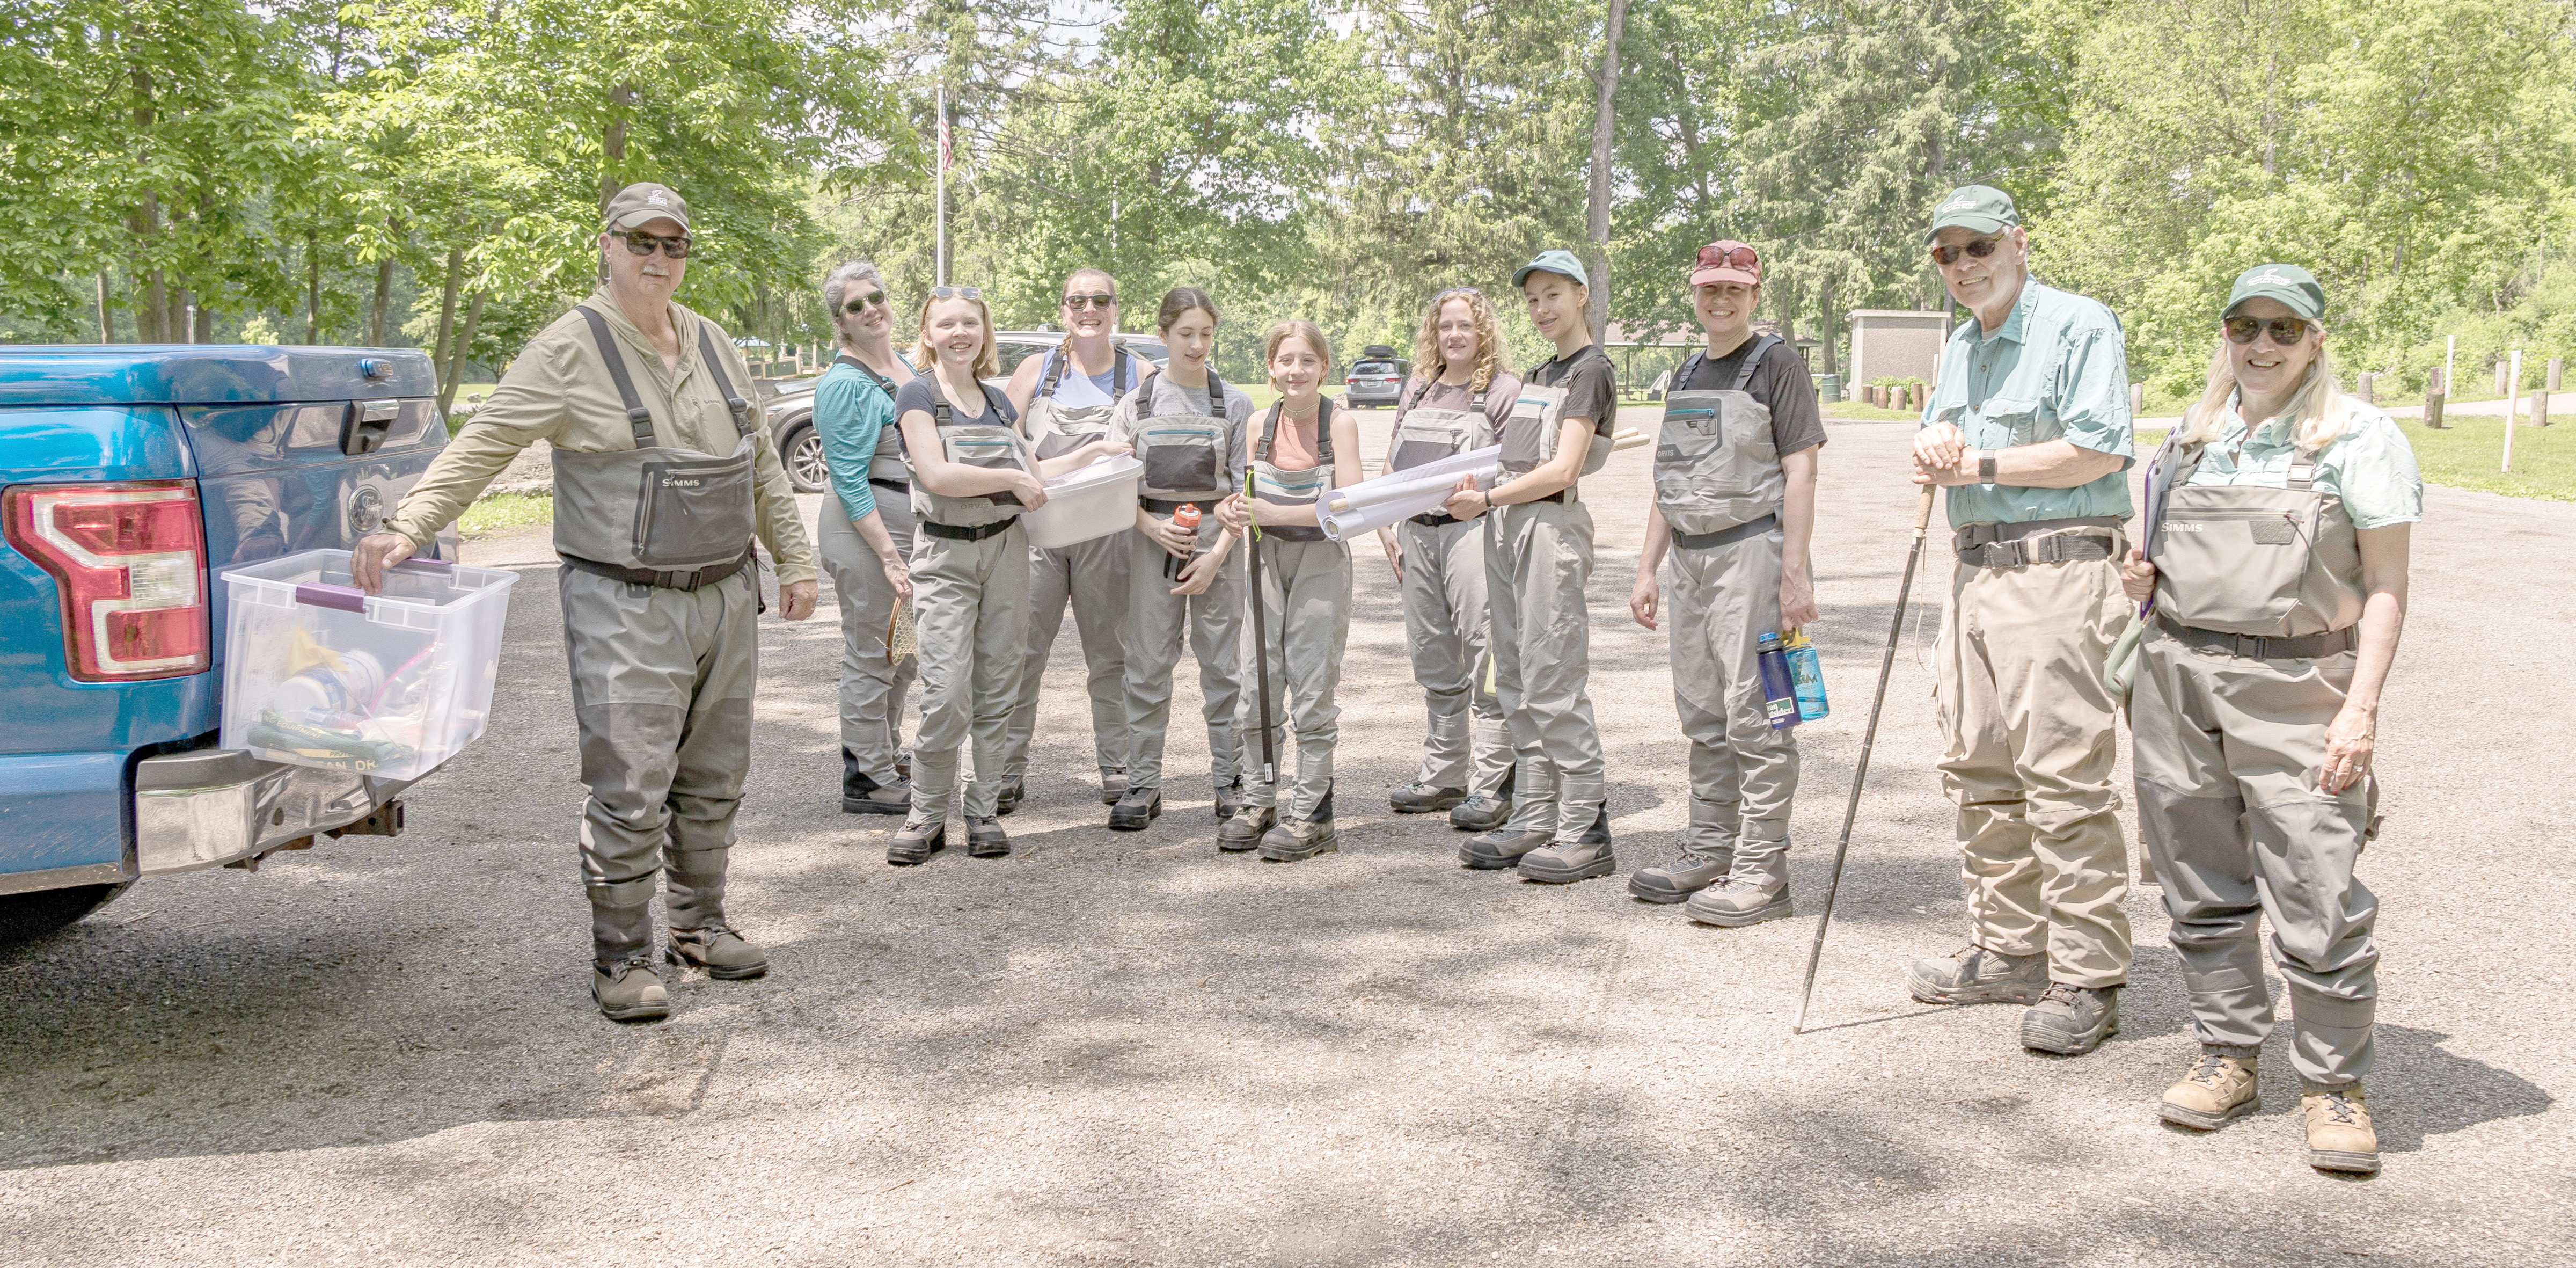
point(2028, 427)
point(663, 476)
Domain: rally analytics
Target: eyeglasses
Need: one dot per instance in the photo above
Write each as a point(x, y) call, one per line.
point(956, 292)
point(1976, 249)
point(1103, 302)
point(863, 302)
point(639, 242)
point(2285, 331)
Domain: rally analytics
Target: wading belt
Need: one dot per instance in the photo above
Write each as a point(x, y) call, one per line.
point(894, 486)
point(975, 533)
point(1435, 519)
point(2037, 541)
point(1157, 506)
point(695, 579)
point(2302, 647)
point(1726, 536)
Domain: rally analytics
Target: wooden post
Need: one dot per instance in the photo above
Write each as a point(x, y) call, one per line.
point(2433, 385)
point(2513, 377)
point(2367, 382)
point(2137, 400)
point(2504, 379)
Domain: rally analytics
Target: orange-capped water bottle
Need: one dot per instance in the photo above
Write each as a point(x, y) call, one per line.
point(1187, 517)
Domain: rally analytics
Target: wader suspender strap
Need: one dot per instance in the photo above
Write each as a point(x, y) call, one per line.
point(940, 417)
point(1323, 431)
point(883, 383)
point(2303, 471)
point(724, 385)
point(1753, 361)
point(1690, 368)
point(637, 417)
point(1121, 373)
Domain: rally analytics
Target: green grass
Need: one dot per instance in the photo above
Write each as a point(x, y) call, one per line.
point(505, 511)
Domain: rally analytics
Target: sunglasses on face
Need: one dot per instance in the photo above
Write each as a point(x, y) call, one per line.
point(863, 302)
point(956, 292)
point(2285, 331)
point(1975, 248)
point(1103, 302)
point(639, 242)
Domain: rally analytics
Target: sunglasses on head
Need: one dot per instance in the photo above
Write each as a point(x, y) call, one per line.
point(1732, 258)
point(1975, 249)
point(956, 292)
point(863, 303)
point(639, 242)
point(2285, 331)
point(1100, 300)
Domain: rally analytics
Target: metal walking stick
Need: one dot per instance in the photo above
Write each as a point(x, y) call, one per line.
point(1260, 640)
point(1868, 737)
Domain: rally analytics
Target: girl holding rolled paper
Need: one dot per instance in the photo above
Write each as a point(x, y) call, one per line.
point(1301, 598)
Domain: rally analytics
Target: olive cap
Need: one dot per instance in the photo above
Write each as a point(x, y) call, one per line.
point(1976, 208)
point(644, 202)
point(2288, 283)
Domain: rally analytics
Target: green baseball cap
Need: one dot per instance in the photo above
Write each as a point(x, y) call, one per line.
point(644, 202)
point(1976, 208)
point(1557, 261)
point(2287, 283)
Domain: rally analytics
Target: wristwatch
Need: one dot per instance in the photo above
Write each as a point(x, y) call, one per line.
point(1985, 466)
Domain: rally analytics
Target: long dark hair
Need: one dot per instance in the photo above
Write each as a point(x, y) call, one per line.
point(1179, 300)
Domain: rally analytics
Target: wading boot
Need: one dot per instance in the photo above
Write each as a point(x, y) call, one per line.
point(1137, 810)
point(985, 838)
point(2215, 1091)
point(1974, 975)
point(718, 950)
point(629, 990)
point(1480, 813)
point(1296, 840)
point(1229, 798)
point(2071, 1020)
point(1008, 800)
point(2340, 1137)
point(1738, 901)
point(1243, 831)
point(1582, 859)
point(915, 842)
point(861, 795)
point(1679, 879)
point(1501, 848)
point(1113, 784)
point(1419, 798)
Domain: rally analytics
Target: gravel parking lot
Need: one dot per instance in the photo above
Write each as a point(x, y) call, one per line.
point(1128, 1049)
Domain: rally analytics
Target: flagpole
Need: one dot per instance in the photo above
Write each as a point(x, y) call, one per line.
point(943, 185)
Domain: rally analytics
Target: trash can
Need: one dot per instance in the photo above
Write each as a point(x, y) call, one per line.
point(1829, 388)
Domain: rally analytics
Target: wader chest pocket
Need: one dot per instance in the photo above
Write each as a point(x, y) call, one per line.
point(1715, 465)
point(694, 514)
point(986, 447)
point(1291, 488)
point(2243, 560)
point(1530, 435)
point(1181, 457)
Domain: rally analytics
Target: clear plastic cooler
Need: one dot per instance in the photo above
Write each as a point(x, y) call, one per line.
point(317, 673)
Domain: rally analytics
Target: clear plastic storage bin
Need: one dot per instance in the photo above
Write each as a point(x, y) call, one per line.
point(317, 673)
point(1093, 500)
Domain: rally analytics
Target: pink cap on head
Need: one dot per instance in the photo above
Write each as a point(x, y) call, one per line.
point(1727, 260)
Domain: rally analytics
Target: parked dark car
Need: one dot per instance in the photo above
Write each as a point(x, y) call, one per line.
point(791, 409)
point(1377, 378)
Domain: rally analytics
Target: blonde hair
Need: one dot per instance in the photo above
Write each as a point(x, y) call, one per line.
point(987, 363)
point(1296, 328)
point(1064, 350)
point(2318, 409)
point(1427, 362)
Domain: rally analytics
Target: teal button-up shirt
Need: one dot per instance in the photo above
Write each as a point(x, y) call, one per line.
point(2057, 369)
point(849, 410)
point(2370, 467)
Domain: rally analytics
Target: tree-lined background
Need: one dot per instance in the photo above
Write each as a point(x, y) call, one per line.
point(428, 173)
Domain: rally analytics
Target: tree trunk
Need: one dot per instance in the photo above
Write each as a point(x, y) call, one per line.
point(447, 316)
point(1825, 315)
point(106, 329)
point(376, 311)
point(612, 146)
point(1597, 218)
point(458, 356)
point(156, 309)
point(312, 291)
point(204, 329)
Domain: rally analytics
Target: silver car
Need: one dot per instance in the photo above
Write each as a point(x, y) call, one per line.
point(1377, 378)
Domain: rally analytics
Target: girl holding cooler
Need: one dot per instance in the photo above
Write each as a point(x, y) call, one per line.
point(2275, 562)
point(1186, 425)
point(972, 475)
point(1301, 451)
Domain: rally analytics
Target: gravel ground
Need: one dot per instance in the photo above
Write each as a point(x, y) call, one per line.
point(1127, 1049)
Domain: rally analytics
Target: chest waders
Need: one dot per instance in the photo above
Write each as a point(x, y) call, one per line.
point(1719, 486)
point(873, 683)
point(1091, 576)
point(1466, 751)
point(2258, 607)
point(1184, 456)
point(1301, 585)
point(970, 602)
point(664, 661)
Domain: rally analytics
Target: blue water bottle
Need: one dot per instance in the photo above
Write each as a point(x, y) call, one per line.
point(1779, 693)
point(1807, 673)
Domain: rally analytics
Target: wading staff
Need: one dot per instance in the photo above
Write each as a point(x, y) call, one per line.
point(1260, 640)
point(1868, 737)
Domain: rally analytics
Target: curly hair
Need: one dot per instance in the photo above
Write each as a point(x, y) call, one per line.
point(1427, 363)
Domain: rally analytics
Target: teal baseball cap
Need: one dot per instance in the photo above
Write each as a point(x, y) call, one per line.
point(1556, 261)
point(2293, 286)
point(1975, 208)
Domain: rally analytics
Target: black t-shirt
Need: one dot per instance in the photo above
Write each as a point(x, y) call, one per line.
point(1591, 387)
point(923, 394)
point(1780, 383)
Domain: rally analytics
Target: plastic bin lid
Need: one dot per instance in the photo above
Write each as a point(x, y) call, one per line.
point(1100, 471)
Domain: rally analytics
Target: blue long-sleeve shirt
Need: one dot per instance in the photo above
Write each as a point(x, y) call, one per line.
point(849, 412)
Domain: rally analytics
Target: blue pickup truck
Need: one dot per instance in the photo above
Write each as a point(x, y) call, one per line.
point(130, 478)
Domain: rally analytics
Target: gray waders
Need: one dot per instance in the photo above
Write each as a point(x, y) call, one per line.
point(658, 607)
point(2259, 598)
point(1468, 746)
point(970, 611)
point(1184, 457)
point(1719, 486)
point(872, 687)
point(1538, 558)
point(1091, 575)
point(1305, 599)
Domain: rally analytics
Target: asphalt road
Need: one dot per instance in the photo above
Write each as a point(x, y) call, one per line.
point(1127, 1049)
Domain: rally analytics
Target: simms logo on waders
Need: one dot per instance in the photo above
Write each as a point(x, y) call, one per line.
point(675, 482)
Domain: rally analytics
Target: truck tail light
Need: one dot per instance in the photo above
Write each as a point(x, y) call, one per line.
point(130, 561)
